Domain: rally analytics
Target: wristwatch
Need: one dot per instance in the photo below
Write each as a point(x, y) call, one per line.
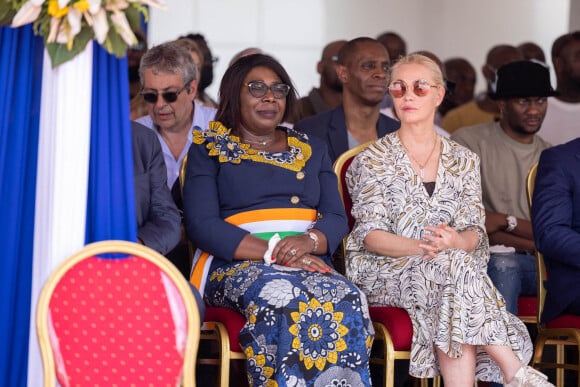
point(512, 222)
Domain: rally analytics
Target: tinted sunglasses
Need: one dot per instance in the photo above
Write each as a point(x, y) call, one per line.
point(420, 87)
point(258, 89)
point(168, 96)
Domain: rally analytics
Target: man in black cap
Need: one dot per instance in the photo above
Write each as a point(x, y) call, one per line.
point(507, 149)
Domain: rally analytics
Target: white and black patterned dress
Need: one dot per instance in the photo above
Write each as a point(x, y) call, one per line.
point(450, 299)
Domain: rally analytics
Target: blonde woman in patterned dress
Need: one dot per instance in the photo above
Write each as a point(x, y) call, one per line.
point(419, 243)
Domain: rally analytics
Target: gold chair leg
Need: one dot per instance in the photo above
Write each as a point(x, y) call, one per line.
point(389, 373)
point(560, 361)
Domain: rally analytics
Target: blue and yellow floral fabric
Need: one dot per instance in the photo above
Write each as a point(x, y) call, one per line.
point(312, 328)
point(229, 149)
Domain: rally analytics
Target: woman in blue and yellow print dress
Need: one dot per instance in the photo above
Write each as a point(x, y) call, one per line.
point(247, 179)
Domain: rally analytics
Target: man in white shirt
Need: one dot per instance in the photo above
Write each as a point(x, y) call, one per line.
point(169, 86)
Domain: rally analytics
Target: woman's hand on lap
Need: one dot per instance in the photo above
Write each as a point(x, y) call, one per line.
point(438, 238)
point(292, 248)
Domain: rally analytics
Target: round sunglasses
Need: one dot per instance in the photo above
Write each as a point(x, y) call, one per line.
point(420, 87)
point(168, 96)
point(258, 89)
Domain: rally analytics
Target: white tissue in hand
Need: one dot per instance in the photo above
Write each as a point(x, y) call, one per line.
point(268, 258)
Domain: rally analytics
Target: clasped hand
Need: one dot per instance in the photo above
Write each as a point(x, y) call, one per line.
point(295, 251)
point(438, 238)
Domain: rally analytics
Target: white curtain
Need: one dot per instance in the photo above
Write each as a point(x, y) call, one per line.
point(62, 177)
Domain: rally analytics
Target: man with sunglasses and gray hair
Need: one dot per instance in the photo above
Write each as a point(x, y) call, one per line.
point(169, 81)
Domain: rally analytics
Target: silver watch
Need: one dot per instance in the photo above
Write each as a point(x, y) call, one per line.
point(512, 222)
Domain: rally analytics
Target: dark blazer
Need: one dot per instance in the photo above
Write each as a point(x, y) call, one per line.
point(158, 220)
point(331, 127)
point(218, 187)
point(556, 223)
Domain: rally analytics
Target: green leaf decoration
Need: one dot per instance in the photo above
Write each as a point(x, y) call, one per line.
point(132, 15)
point(7, 13)
point(114, 44)
point(42, 27)
point(59, 53)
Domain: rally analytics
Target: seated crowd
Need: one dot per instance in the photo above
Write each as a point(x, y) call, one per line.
point(442, 226)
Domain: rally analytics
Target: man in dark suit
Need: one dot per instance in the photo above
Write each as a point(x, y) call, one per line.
point(158, 220)
point(363, 65)
point(556, 223)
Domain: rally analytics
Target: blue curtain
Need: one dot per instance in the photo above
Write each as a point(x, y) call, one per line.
point(111, 201)
point(21, 55)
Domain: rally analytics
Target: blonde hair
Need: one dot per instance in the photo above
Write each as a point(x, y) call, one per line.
point(422, 60)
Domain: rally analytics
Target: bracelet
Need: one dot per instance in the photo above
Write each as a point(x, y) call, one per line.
point(314, 237)
point(268, 258)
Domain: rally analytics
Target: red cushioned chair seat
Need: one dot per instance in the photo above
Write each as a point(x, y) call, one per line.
point(397, 322)
point(233, 321)
point(527, 306)
point(115, 315)
point(564, 321)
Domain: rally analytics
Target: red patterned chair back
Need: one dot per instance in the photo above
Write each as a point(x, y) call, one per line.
point(341, 165)
point(118, 313)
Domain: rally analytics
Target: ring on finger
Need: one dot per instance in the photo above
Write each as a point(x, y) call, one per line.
point(293, 251)
point(307, 261)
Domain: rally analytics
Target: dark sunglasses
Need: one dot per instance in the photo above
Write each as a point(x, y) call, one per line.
point(420, 87)
point(258, 89)
point(168, 96)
